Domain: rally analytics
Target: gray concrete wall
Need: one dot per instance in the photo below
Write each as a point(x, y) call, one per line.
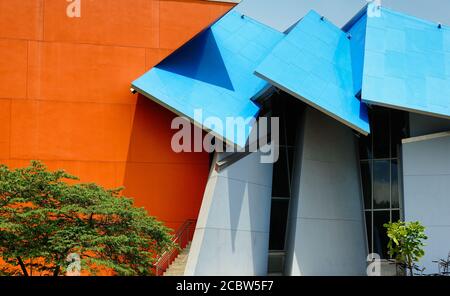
point(426, 179)
point(232, 234)
point(326, 231)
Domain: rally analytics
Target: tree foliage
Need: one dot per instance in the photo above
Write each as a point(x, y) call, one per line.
point(43, 219)
point(406, 242)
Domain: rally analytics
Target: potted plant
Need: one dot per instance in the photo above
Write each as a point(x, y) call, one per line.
point(406, 242)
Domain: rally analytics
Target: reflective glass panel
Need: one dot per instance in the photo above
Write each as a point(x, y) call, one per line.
point(278, 224)
point(365, 147)
point(280, 186)
point(396, 216)
point(399, 131)
point(368, 215)
point(380, 238)
point(395, 197)
point(381, 138)
point(381, 184)
point(366, 177)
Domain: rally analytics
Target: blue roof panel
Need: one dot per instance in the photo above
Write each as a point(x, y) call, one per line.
point(407, 64)
point(357, 43)
point(214, 73)
point(314, 64)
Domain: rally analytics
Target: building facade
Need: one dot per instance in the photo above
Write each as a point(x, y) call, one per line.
point(363, 114)
point(65, 99)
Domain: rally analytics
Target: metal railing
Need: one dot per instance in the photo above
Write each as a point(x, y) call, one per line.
point(182, 238)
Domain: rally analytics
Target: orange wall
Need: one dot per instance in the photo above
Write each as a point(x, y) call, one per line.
point(65, 99)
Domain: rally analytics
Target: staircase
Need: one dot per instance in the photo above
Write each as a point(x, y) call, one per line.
point(174, 261)
point(179, 264)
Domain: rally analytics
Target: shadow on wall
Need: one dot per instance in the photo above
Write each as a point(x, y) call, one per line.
point(169, 185)
point(200, 59)
point(258, 211)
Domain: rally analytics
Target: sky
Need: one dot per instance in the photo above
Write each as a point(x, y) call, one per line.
point(337, 11)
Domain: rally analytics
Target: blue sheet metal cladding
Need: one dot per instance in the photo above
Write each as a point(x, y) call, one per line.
point(314, 64)
point(380, 57)
point(357, 32)
point(214, 73)
point(407, 64)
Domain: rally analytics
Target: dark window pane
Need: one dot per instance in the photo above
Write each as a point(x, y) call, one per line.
point(292, 129)
point(395, 194)
point(395, 148)
point(381, 184)
point(282, 130)
point(291, 155)
point(293, 113)
point(369, 230)
point(399, 130)
point(276, 106)
point(278, 223)
point(380, 132)
point(380, 239)
point(280, 186)
point(366, 178)
point(279, 110)
point(365, 147)
point(396, 216)
point(266, 106)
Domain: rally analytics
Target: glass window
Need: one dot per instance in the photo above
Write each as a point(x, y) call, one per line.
point(365, 147)
point(400, 130)
point(276, 106)
point(278, 223)
point(396, 216)
point(293, 113)
point(380, 173)
point(381, 134)
point(395, 190)
point(282, 131)
point(380, 239)
point(291, 155)
point(368, 215)
point(366, 176)
point(288, 114)
point(279, 110)
point(280, 185)
point(381, 184)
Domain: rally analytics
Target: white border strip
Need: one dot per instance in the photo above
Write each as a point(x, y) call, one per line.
point(426, 137)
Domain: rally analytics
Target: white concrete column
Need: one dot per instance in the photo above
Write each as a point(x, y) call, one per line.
point(232, 234)
point(326, 225)
point(426, 181)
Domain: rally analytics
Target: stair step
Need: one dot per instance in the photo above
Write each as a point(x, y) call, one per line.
point(179, 264)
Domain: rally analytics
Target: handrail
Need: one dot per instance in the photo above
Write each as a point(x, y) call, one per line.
point(182, 237)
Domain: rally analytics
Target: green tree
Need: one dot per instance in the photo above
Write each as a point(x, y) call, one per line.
point(43, 219)
point(406, 242)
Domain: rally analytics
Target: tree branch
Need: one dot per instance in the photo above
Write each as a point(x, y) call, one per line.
point(22, 266)
point(56, 271)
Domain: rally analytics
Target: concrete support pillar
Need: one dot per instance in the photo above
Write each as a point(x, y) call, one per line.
point(232, 234)
point(326, 225)
point(426, 181)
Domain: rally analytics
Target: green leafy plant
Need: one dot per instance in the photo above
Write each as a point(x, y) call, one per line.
point(43, 219)
point(406, 242)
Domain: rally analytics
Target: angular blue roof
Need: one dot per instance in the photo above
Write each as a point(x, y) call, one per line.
point(357, 31)
point(314, 64)
point(214, 73)
point(380, 57)
point(406, 63)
